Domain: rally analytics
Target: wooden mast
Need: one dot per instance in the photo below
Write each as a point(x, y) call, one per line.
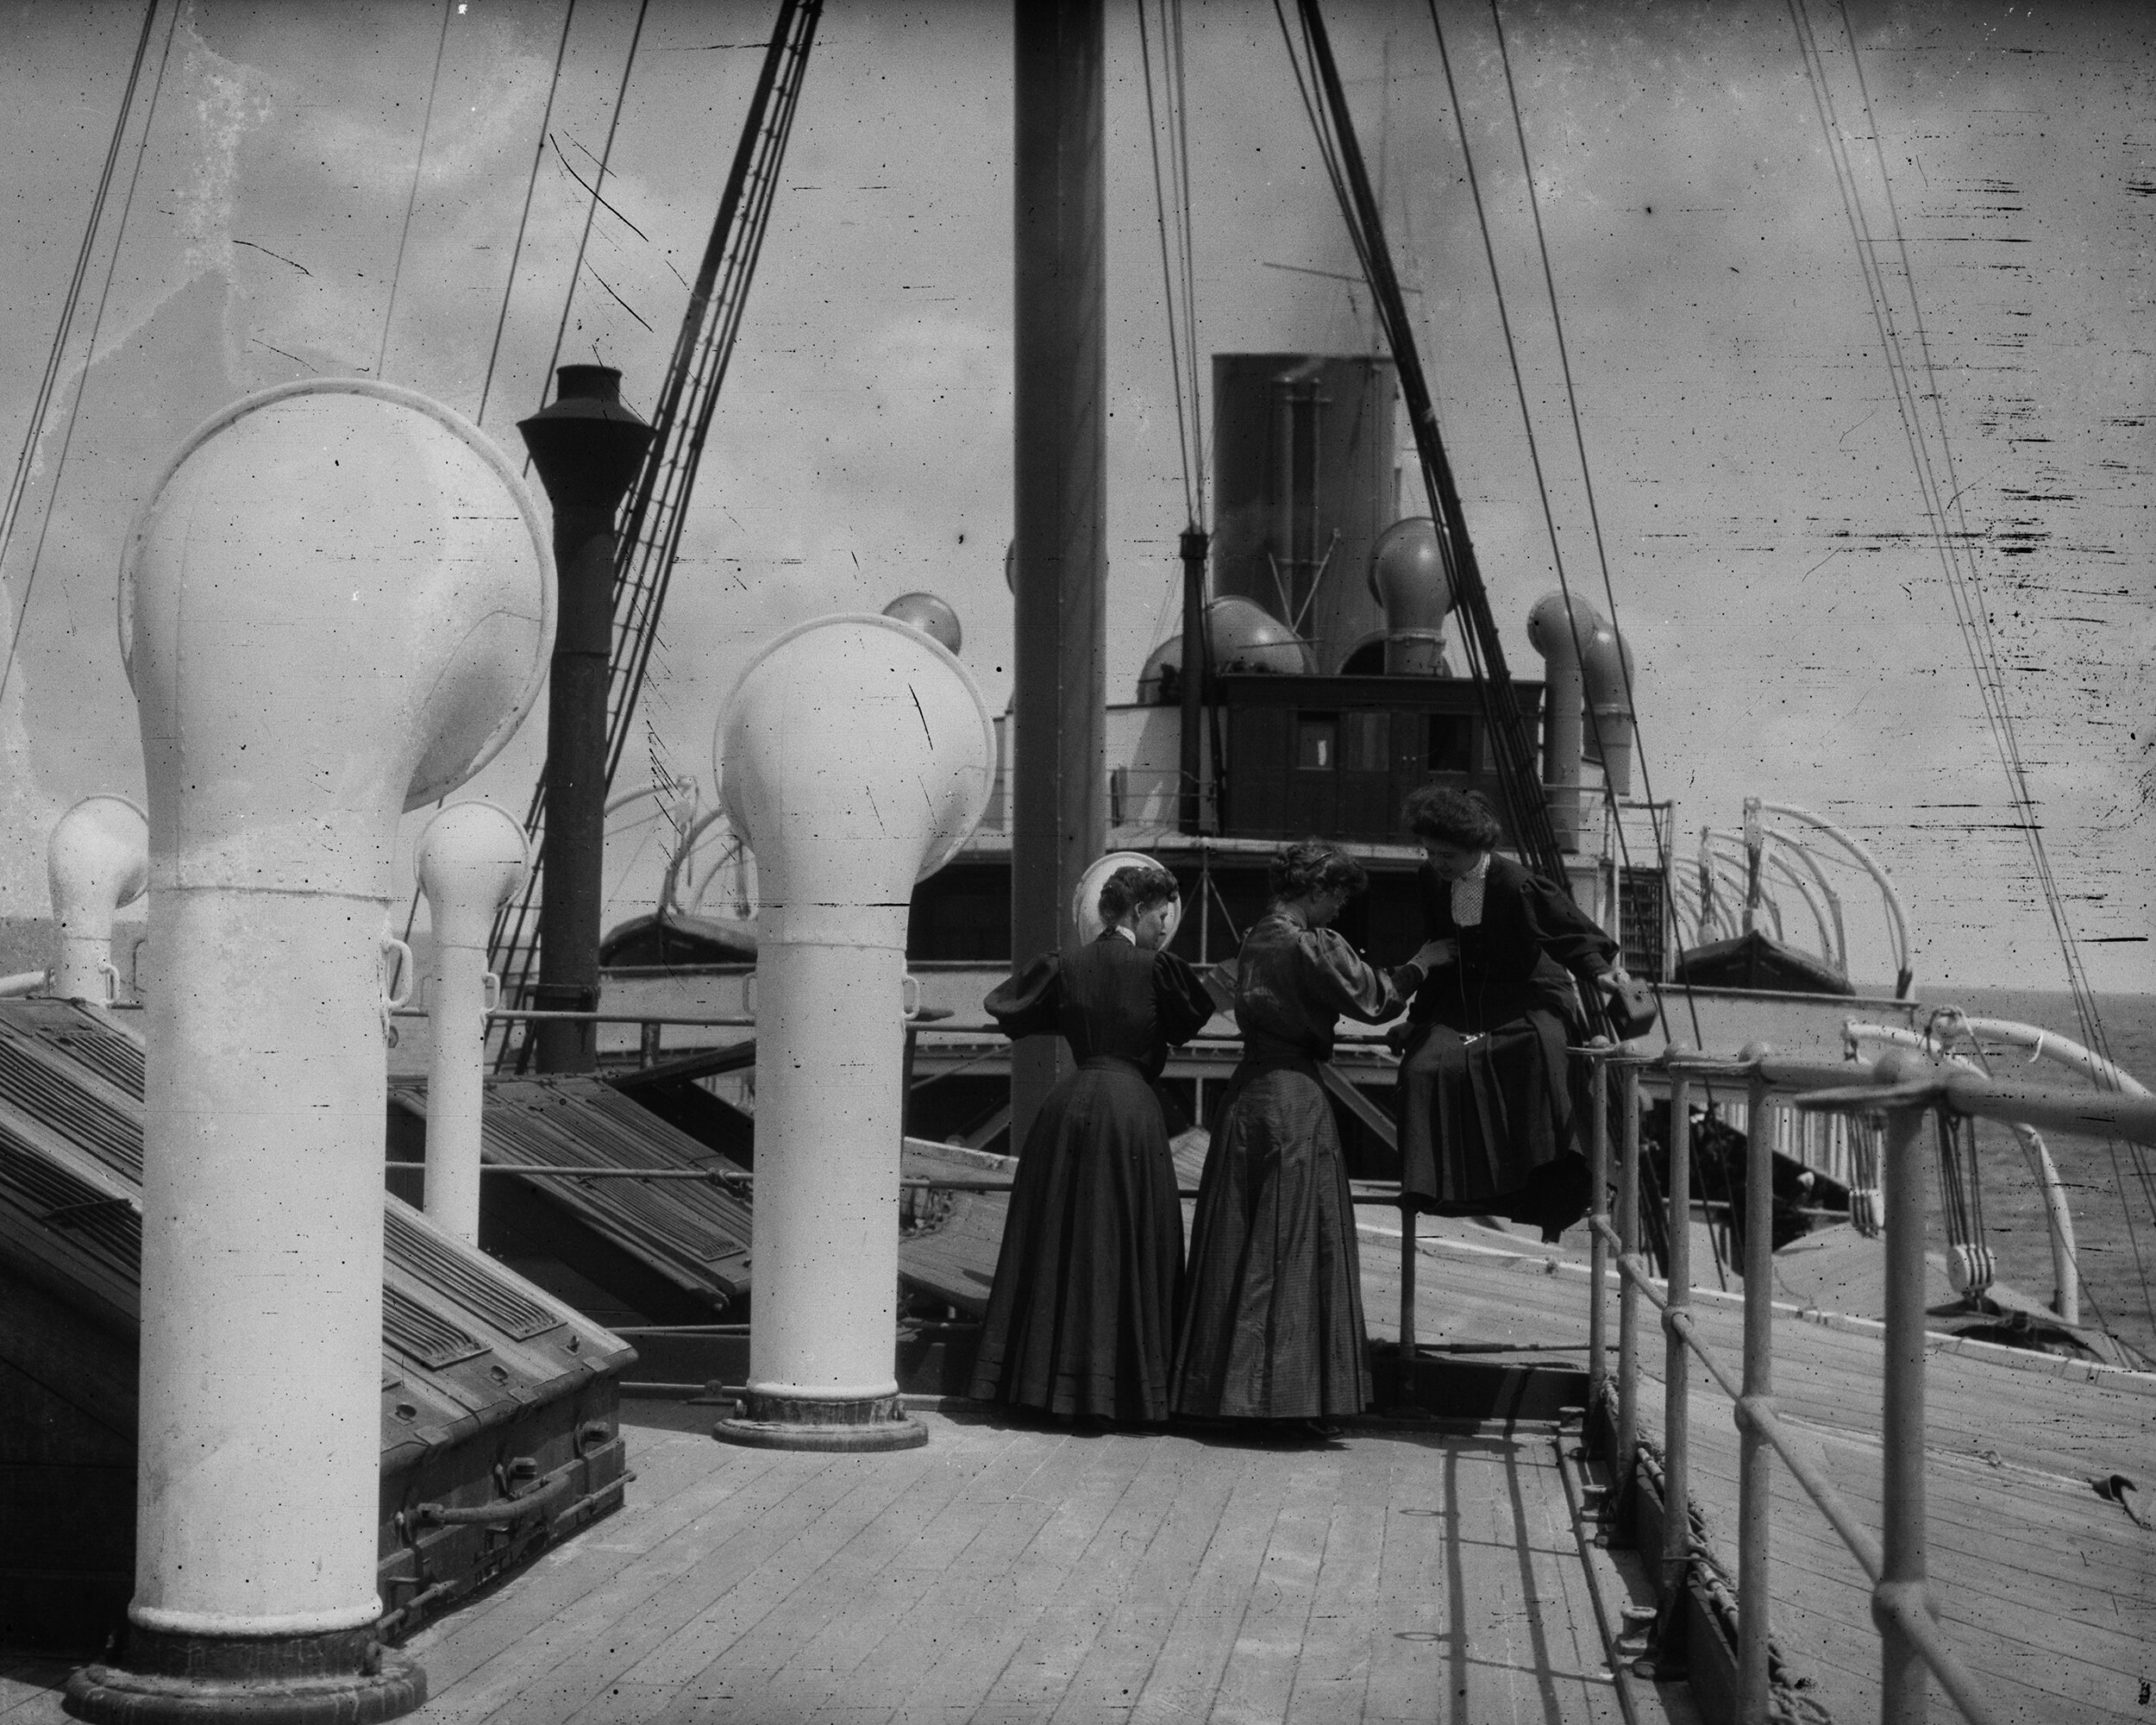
point(1058, 795)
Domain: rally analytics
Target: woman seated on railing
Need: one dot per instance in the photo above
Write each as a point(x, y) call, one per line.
point(1273, 1326)
point(1081, 1316)
point(1484, 1103)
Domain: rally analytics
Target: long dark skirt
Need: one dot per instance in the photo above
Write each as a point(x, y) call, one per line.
point(1081, 1317)
point(1273, 1318)
point(1487, 1124)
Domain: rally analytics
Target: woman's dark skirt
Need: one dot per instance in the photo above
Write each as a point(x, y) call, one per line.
point(1273, 1320)
point(1487, 1124)
point(1081, 1317)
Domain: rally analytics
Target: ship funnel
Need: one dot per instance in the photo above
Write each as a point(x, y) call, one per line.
point(856, 756)
point(1557, 628)
point(1409, 577)
point(471, 861)
point(97, 860)
point(1606, 669)
point(336, 605)
point(933, 616)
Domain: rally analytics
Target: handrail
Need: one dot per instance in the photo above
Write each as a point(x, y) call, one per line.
point(1905, 1087)
point(2058, 1221)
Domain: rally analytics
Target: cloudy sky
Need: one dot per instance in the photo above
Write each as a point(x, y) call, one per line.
point(1762, 510)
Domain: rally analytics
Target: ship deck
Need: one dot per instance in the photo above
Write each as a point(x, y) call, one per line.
point(1012, 1572)
point(2047, 1589)
point(1415, 1569)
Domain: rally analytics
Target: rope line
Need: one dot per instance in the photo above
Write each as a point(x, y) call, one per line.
point(411, 202)
point(1167, 269)
point(1964, 587)
point(590, 214)
point(97, 320)
point(1557, 553)
point(531, 186)
point(42, 405)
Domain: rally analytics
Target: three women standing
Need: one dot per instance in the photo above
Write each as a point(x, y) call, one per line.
point(1080, 1319)
point(1273, 1323)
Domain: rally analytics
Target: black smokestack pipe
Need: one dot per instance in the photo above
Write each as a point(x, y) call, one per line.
point(1197, 658)
point(1059, 802)
point(587, 448)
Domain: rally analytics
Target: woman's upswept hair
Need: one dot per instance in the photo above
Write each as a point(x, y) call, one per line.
point(1461, 818)
point(1297, 870)
point(1134, 888)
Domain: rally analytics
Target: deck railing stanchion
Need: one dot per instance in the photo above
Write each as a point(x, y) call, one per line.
point(1754, 1507)
point(1677, 1513)
point(1406, 1364)
point(1903, 1590)
point(1627, 1458)
point(1598, 1248)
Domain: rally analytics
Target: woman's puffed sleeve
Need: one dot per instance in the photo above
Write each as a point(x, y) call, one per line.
point(1181, 1004)
point(1350, 986)
point(1564, 931)
point(1027, 1004)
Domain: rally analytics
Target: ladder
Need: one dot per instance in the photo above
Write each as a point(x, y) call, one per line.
point(655, 509)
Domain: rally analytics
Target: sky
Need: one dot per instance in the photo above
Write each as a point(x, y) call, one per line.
point(1750, 479)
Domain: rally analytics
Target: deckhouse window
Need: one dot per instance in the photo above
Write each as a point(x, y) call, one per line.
point(1317, 742)
point(1362, 742)
point(1451, 743)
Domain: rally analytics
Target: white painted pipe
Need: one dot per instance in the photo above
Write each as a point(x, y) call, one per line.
point(336, 604)
point(471, 861)
point(97, 860)
point(1556, 629)
point(1605, 675)
point(855, 754)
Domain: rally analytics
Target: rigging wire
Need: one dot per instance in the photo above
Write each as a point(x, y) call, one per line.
point(531, 186)
point(67, 315)
point(591, 215)
point(1571, 397)
point(1181, 143)
point(1963, 584)
point(1167, 270)
point(487, 387)
point(411, 203)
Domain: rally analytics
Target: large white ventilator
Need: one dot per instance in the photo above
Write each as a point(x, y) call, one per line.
point(855, 755)
point(336, 605)
point(471, 861)
point(97, 860)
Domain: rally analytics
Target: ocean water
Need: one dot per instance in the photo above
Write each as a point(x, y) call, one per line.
point(2110, 1185)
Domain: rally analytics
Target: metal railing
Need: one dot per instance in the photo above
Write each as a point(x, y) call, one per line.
point(1904, 1087)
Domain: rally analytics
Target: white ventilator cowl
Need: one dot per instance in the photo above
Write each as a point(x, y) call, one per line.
point(472, 860)
point(856, 756)
point(336, 604)
point(97, 861)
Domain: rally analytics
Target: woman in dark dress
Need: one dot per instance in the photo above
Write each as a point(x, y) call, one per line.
point(1080, 1319)
point(1273, 1318)
point(1485, 1104)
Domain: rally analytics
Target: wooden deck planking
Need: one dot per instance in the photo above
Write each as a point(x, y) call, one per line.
point(1412, 1662)
point(1259, 1680)
point(1332, 1672)
point(688, 1673)
point(953, 1570)
point(860, 1548)
point(1523, 1658)
point(857, 1649)
point(1106, 1687)
point(2020, 1611)
point(1001, 1602)
point(579, 1650)
point(1062, 1604)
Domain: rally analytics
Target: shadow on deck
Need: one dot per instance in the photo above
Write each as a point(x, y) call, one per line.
point(1014, 1572)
